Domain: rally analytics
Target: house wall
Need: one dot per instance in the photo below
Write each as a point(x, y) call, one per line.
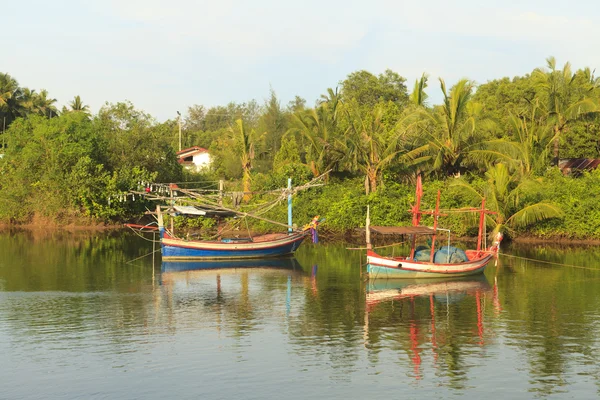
point(202, 161)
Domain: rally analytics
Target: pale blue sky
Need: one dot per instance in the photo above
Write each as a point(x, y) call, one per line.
point(167, 55)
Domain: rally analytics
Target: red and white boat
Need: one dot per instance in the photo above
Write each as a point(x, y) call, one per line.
point(430, 262)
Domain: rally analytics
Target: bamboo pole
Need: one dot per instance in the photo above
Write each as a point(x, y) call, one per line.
point(220, 192)
point(289, 199)
point(368, 230)
point(435, 222)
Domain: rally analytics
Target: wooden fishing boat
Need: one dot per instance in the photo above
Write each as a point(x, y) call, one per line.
point(271, 245)
point(430, 262)
point(189, 203)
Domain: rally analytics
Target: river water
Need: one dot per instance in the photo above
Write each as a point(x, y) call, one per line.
point(80, 319)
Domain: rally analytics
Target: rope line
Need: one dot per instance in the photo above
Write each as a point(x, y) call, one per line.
point(550, 262)
point(145, 255)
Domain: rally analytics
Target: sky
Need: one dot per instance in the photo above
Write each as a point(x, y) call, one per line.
point(165, 56)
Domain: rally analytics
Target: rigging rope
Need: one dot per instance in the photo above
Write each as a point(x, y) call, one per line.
point(550, 262)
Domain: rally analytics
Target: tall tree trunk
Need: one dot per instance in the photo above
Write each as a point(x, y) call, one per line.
point(556, 145)
point(372, 178)
point(246, 184)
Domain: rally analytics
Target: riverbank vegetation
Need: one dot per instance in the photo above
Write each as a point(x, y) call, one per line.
point(501, 140)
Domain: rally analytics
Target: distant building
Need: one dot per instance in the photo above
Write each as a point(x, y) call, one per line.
point(575, 166)
point(194, 158)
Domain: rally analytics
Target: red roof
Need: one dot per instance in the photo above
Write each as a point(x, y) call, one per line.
point(191, 151)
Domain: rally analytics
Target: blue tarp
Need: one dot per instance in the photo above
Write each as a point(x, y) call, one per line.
point(445, 255)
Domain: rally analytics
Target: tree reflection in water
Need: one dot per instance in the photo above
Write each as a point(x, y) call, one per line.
point(534, 324)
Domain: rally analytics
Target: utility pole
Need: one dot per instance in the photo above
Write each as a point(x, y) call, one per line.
point(179, 120)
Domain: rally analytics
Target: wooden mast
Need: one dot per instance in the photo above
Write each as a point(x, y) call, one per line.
point(416, 213)
point(482, 213)
point(436, 214)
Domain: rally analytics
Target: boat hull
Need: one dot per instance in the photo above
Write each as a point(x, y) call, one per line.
point(178, 249)
point(379, 267)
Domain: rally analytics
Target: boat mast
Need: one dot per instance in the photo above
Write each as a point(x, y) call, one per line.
point(482, 213)
point(416, 213)
point(436, 214)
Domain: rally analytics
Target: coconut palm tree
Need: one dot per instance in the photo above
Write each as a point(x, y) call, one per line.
point(27, 102)
point(448, 133)
point(77, 105)
point(318, 126)
point(32, 102)
point(503, 191)
point(370, 147)
point(528, 147)
point(44, 105)
point(565, 98)
point(418, 97)
point(10, 95)
point(245, 148)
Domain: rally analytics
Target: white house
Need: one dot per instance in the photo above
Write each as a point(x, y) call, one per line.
point(195, 158)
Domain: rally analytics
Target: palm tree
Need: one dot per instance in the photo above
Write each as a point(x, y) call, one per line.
point(44, 105)
point(529, 148)
point(318, 126)
point(10, 94)
point(503, 193)
point(418, 97)
point(565, 97)
point(449, 131)
point(370, 146)
point(26, 104)
point(77, 105)
point(245, 148)
point(36, 103)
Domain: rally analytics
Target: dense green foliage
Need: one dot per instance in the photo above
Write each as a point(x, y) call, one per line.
point(500, 140)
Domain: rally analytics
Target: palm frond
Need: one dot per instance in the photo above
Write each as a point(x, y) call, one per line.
point(534, 213)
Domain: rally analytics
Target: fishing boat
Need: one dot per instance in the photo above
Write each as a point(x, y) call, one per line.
point(270, 245)
point(430, 262)
point(180, 248)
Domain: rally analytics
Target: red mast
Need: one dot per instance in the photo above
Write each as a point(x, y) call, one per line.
point(416, 212)
point(436, 214)
point(482, 213)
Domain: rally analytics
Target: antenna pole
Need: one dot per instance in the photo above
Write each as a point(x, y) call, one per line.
point(179, 120)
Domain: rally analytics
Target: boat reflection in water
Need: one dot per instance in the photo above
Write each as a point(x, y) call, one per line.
point(442, 290)
point(427, 317)
point(287, 263)
point(237, 288)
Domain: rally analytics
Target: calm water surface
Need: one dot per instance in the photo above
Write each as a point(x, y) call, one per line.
point(77, 320)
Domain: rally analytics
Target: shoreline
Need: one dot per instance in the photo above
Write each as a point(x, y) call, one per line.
point(326, 236)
